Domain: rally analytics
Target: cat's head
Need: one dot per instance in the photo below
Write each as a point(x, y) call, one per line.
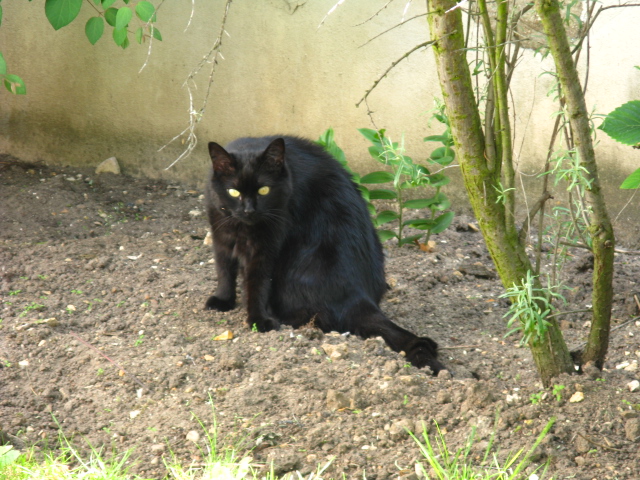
point(249, 184)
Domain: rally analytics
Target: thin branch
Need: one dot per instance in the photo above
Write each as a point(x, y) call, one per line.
point(195, 116)
point(386, 72)
point(368, 19)
point(537, 207)
point(392, 28)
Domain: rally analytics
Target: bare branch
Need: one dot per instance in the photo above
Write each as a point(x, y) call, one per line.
point(386, 72)
point(374, 15)
point(195, 116)
point(392, 28)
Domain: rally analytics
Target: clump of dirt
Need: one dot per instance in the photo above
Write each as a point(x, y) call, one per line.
point(103, 283)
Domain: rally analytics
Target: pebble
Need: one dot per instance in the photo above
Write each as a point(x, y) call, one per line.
point(110, 165)
point(336, 352)
point(193, 436)
point(633, 386)
point(576, 397)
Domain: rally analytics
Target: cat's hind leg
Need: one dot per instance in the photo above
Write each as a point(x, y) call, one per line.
point(365, 319)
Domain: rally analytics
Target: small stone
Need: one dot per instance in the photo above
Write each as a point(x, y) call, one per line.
point(193, 436)
point(133, 414)
point(576, 397)
point(337, 400)
point(444, 375)
point(158, 448)
point(632, 429)
point(208, 240)
point(582, 444)
point(443, 396)
point(336, 352)
point(110, 165)
point(632, 367)
point(633, 386)
point(400, 429)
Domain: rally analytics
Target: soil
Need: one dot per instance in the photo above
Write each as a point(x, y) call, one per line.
point(103, 336)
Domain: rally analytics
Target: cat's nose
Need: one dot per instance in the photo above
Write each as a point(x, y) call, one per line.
point(249, 208)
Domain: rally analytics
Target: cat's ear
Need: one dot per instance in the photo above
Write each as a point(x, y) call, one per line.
point(274, 154)
point(223, 163)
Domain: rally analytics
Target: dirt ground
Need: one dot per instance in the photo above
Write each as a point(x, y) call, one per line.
point(103, 280)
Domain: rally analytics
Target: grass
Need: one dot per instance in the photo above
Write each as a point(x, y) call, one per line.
point(226, 463)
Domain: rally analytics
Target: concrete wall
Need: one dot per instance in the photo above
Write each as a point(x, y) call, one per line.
point(280, 74)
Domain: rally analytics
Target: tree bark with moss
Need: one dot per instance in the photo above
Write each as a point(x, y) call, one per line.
point(485, 157)
point(600, 228)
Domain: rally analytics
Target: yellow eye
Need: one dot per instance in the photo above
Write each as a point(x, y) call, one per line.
point(233, 192)
point(263, 190)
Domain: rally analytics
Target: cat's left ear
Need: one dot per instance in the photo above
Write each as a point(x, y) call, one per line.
point(222, 162)
point(274, 154)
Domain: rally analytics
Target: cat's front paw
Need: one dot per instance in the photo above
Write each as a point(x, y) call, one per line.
point(424, 353)
point(263, 324)
point(219, 304)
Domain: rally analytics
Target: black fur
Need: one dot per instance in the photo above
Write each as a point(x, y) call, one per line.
point(307, 248)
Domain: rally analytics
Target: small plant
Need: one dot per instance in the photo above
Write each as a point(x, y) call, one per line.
point(139, 341)
point(30, 307)
point(100, 372)
point(557, 392)
point(14, 292)
point(405, 175)
point(461, 465)
point(536, 398)
point(77, 292)
point(530, 307)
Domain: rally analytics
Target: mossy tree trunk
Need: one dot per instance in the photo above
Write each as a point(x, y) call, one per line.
point(488, 172)
point(600, 228)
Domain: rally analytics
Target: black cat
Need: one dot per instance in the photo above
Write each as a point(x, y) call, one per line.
point(286, 213)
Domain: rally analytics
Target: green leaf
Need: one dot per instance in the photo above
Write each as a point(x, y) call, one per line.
point(383, 194)
point(623, 124)
point(110, 16)
point(61, 12)
point(442, 222)
point(385, 216)
point(145, 10)
point(8, 455)
point(94, 29)
point(632, 181)
point(139, 35)
point(438, 180)
point(373, 136)
point(107, 3)
point(156, 33)
point(123, 17)
point(443, 156)
point(119, 36)
point(3, 65)
point(409, 239)
point(385, 235)
point(377, 177)
point(15, 84)
point(420, 203)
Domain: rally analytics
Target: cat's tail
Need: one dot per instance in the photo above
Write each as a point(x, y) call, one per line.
point(366, 320)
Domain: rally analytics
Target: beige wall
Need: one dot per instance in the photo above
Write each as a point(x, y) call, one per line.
point(281, 74)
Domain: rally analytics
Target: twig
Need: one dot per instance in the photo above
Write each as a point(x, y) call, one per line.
point(112, 361)
point(587, 247)
point(195, 116)
point(386, 72)
point(524, 230)
point(392, 28)
point(635, 297)
point(598, 444)
point(372, 16)
point(152, 28)
point(618, 327)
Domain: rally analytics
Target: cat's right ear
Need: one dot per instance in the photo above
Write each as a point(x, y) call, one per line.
point(223, 163)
